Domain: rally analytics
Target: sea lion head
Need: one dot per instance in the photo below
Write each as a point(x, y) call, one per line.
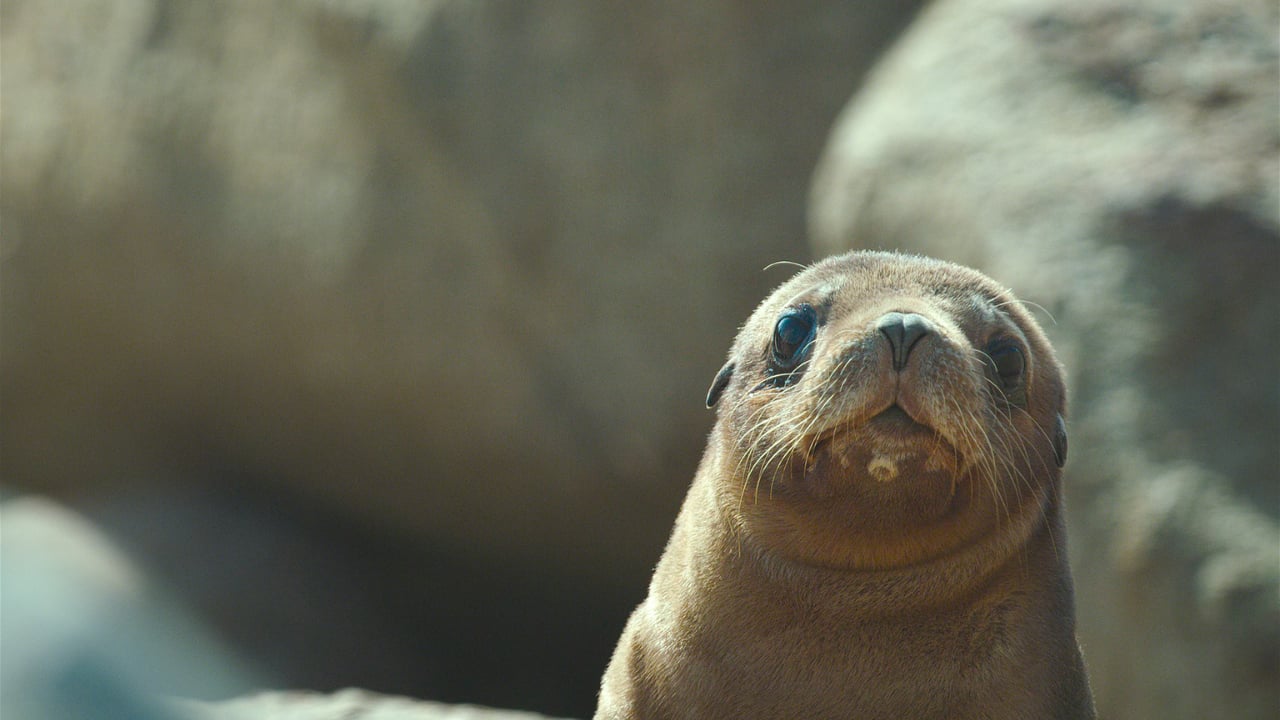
point(880, 410)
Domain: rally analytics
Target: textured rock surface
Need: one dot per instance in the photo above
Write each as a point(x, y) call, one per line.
point(453, 275)
point(1117, 163)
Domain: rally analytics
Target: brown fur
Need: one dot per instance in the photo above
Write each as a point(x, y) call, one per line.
point(863, 542)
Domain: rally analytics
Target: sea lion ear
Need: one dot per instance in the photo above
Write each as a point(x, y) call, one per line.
point(718, 385)
point(1060, 440)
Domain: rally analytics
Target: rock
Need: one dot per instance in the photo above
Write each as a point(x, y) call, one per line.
point(417, 248)
point(1115, 162)
point(348, 704)
point(86, 634)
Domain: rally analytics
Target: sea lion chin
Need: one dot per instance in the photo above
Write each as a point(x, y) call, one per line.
point(875, 529)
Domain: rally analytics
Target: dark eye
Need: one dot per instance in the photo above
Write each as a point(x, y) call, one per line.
point(1007, 364)
point(792, 336)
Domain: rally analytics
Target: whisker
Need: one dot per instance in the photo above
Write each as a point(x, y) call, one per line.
point(1028, 303)
point(776, 263)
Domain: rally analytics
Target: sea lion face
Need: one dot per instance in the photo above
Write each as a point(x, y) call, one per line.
point(882, 410)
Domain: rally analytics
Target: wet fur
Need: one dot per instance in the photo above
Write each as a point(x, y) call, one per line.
point(834, 559)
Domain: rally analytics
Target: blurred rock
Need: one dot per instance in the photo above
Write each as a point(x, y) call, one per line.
point(86, 635)
point(1115, 162)
point(454, 274)
point(344, 705)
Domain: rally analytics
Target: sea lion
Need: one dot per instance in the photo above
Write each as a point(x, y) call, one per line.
point(875, 529)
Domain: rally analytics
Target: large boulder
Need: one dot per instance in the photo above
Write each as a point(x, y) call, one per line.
point(1114, 161)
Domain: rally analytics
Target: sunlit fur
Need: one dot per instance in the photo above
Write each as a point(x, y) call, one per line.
point(861, 542)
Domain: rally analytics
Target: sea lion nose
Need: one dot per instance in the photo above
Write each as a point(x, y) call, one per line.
point(903, 331)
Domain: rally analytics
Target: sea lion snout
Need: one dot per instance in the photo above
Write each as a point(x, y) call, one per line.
point(916, 363)
point(903, 330)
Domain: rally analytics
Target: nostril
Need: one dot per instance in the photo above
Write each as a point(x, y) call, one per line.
point(903, 330)
point(916, 328)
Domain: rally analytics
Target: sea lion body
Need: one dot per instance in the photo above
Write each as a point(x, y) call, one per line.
point(875, 529)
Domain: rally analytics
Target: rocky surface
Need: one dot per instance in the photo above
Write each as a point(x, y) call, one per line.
point(1116, 163)
point(344, 705)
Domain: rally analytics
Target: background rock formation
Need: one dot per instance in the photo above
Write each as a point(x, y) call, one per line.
point(1117, 164)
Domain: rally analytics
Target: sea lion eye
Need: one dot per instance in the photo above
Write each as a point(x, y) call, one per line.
point(792, 336)
point(1007, 364)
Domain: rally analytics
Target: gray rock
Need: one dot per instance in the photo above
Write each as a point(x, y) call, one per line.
point(1115, 162)
point(87, 634)
point(348, 704)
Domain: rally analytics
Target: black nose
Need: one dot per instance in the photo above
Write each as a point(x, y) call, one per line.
point(903, 331)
